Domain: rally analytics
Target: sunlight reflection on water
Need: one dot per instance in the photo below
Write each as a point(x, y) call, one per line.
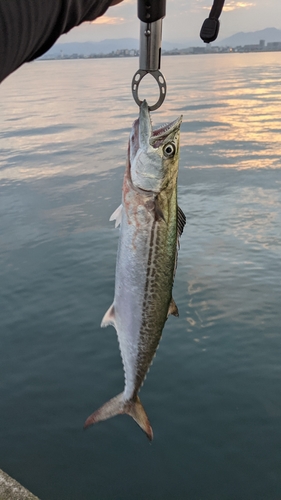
point(234, 112)
point(213, 393)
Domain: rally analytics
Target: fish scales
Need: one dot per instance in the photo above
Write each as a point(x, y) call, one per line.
point(157, 294)
point(146, 259)
point(147, 256)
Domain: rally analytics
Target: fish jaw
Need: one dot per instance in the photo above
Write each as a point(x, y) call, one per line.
point(153, 154)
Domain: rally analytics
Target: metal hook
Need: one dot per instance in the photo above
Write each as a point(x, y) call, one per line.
point(157, 75)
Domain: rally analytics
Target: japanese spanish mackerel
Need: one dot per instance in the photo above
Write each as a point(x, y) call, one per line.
point(151, 223)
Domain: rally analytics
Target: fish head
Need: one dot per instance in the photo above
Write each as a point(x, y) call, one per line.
point(153, 154)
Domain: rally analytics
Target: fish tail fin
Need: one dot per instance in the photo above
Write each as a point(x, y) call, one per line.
point(117, 406)
point(137, 412)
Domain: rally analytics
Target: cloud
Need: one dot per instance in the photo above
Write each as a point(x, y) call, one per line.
point(232, 5)
point(229, 6)
point(108, 20)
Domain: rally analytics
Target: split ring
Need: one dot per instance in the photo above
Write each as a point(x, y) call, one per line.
point(157, 75)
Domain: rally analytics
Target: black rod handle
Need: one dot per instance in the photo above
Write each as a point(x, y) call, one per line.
point(150, 11)
point(211, 25)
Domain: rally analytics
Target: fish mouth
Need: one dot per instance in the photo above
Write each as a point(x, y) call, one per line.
point(144, 136)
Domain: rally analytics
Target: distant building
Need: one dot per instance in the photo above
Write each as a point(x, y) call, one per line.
point(273, 46)
point(254, 47)
point(199, 50)
point(209, 49)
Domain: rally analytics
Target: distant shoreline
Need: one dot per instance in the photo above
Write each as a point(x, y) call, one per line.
point(189, 52)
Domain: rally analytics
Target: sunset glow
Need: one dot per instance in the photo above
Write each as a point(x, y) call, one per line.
point(108, 20)
point(229, 6)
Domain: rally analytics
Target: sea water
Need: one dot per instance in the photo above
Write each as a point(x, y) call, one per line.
point(213, 394)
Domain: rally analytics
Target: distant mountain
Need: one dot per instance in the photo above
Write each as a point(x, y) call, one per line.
point(103, 47)
point(252, 37)
point(87, 48)
point(110, 45)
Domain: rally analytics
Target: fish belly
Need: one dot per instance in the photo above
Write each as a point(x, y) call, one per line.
point(143, 291)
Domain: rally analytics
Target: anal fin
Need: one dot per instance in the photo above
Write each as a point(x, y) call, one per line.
point(173, 309)
point(117, 215)
point(109, 317)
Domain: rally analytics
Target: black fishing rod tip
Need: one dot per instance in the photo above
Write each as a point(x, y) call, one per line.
point(210, 30)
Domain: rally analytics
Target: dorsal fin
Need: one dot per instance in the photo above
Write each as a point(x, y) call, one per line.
point(181, 221)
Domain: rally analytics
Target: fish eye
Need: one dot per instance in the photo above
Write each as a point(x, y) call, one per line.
point(169, 150)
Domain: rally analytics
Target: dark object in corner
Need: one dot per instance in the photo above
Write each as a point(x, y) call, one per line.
point(210, 27)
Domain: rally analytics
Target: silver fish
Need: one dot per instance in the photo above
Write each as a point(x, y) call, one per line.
point(151, 223)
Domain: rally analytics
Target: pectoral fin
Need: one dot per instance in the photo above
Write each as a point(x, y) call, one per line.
point(158, 211)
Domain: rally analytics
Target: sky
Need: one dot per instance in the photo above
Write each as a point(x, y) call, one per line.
point(183, 20)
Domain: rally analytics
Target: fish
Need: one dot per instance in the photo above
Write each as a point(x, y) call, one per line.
point(151, 223)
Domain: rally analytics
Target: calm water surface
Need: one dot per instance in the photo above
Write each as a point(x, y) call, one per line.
point(213, 394)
